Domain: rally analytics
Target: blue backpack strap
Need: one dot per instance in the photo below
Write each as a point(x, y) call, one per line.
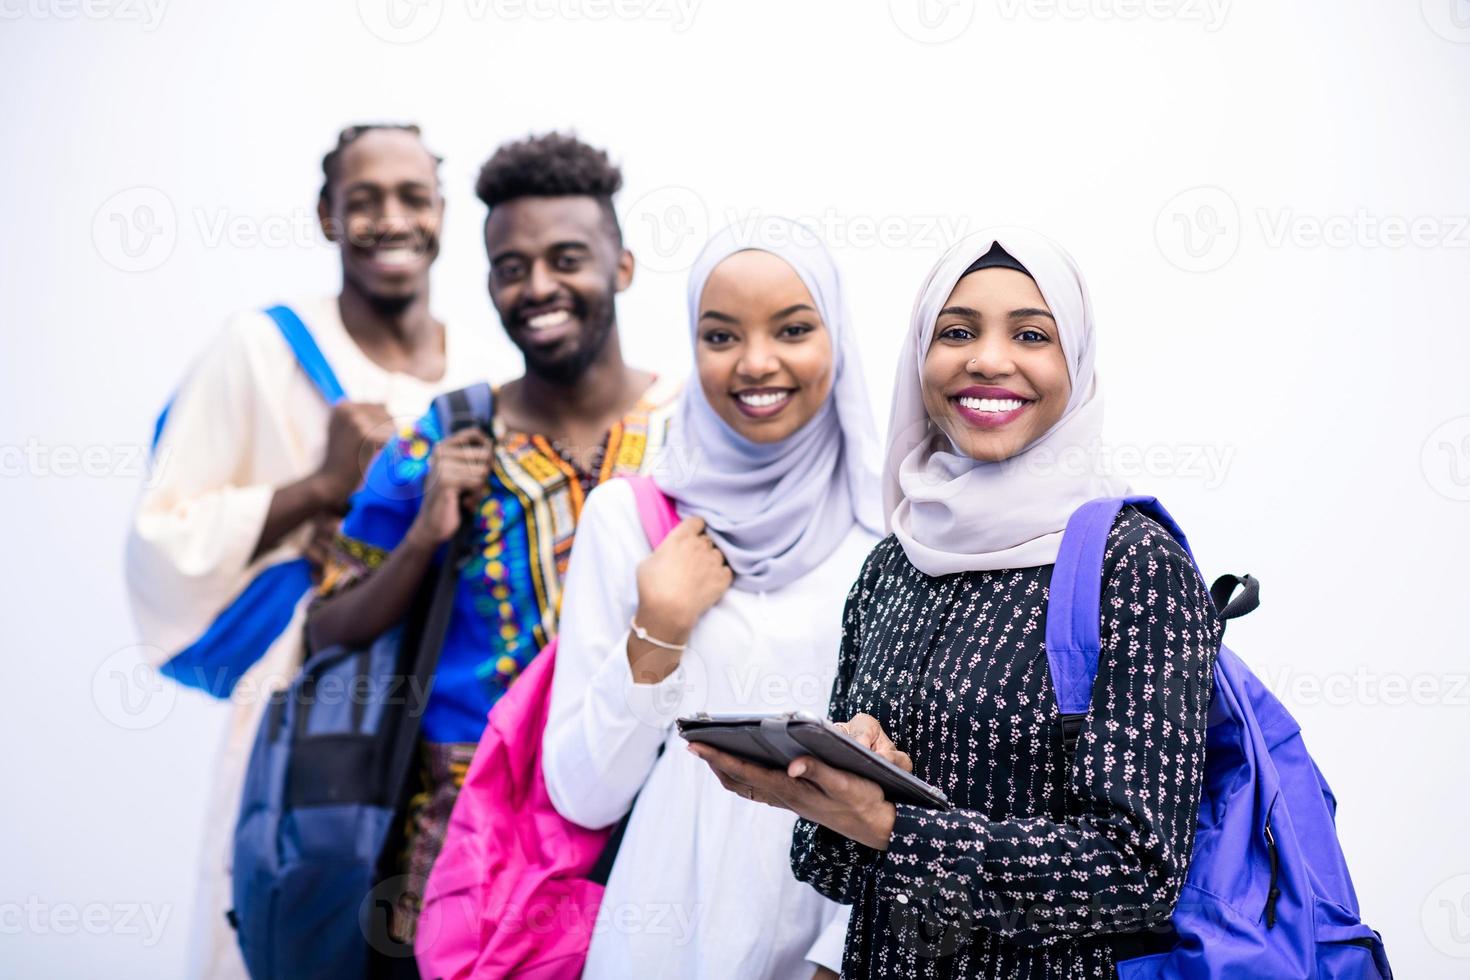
point(246, 628)
point(308, 354)
point(159, 423)
point(1074, 601)
point(242, 633)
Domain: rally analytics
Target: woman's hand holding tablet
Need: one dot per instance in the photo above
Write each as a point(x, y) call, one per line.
point(842, 776)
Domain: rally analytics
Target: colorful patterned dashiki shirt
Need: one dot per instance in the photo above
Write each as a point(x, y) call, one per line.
point(506, 608)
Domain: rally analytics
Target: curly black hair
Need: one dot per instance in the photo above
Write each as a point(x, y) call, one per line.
point(333, 160)
point(551, 165)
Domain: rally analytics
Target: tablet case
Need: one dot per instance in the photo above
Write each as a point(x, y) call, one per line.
point(775, 740)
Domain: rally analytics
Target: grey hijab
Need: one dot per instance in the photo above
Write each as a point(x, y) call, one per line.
point(777, 510)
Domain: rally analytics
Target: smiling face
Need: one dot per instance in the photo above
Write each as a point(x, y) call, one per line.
point(763, 354)
point(995, 378)
point(385, 212)
point(555, 265)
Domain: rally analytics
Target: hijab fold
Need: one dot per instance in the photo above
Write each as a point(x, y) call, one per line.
point(952, 513)
point(777, 510)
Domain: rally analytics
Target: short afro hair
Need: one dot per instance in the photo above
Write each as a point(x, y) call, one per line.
point(551, 165)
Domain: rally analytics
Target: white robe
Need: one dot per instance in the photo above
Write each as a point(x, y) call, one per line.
point(702, 886)
point(245, 421)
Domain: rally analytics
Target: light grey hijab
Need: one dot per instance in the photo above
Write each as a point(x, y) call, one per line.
point(952, 513)
point(777, 510)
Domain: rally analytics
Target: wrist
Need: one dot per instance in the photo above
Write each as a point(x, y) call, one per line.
point(663, 625)
point(328, 493)
point(880, 825)
point(420, 537)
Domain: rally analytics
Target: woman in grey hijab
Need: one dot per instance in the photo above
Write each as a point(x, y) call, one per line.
point(1055, 861)
point(773, 467)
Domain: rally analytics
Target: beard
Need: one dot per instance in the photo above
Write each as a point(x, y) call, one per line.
point(383, 305)
point(564, 369)
point(389, 306)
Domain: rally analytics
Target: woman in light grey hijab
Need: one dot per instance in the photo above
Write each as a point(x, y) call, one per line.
point(775, 474)
point(776, 507)
point(954, 510)
point(1051, 853)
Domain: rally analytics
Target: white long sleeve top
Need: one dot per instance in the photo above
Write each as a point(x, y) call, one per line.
point(702, 886)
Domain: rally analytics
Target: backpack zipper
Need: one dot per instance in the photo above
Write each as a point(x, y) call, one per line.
point(1273, 891)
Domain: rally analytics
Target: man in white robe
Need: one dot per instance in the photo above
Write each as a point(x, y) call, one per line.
point(254, 467)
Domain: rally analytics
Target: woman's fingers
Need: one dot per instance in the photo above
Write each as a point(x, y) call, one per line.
point(828, 780)
point(688, 528)
point(867, 730)
point(729, 782)
point(748, 779)
point(730, 765)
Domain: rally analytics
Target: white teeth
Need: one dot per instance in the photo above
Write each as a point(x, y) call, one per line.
point(763, 399)
point(551, 319)
point(394, 256)
point(991, 404)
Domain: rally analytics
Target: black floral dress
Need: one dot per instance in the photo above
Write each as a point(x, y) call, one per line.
point(1048, 867)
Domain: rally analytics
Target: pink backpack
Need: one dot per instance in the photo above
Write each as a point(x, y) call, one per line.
point(509, 895)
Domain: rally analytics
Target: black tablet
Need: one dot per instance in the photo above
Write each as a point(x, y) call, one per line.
point(774, 740)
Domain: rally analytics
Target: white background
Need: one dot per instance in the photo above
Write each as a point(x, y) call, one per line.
point(1329, 376)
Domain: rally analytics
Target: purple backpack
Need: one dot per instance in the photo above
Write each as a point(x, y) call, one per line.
point(1268, 892)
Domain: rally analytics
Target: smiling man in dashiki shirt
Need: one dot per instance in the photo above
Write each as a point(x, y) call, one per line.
point(578, 416)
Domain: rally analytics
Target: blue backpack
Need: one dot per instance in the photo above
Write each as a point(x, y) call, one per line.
point(1267, 893)
point(327, 780)
point(245, 629)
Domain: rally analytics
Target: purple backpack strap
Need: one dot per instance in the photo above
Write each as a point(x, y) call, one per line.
point(655, 509)
point(1074, 602)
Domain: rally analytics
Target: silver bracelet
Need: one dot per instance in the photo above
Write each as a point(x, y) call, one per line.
point(642, 634)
